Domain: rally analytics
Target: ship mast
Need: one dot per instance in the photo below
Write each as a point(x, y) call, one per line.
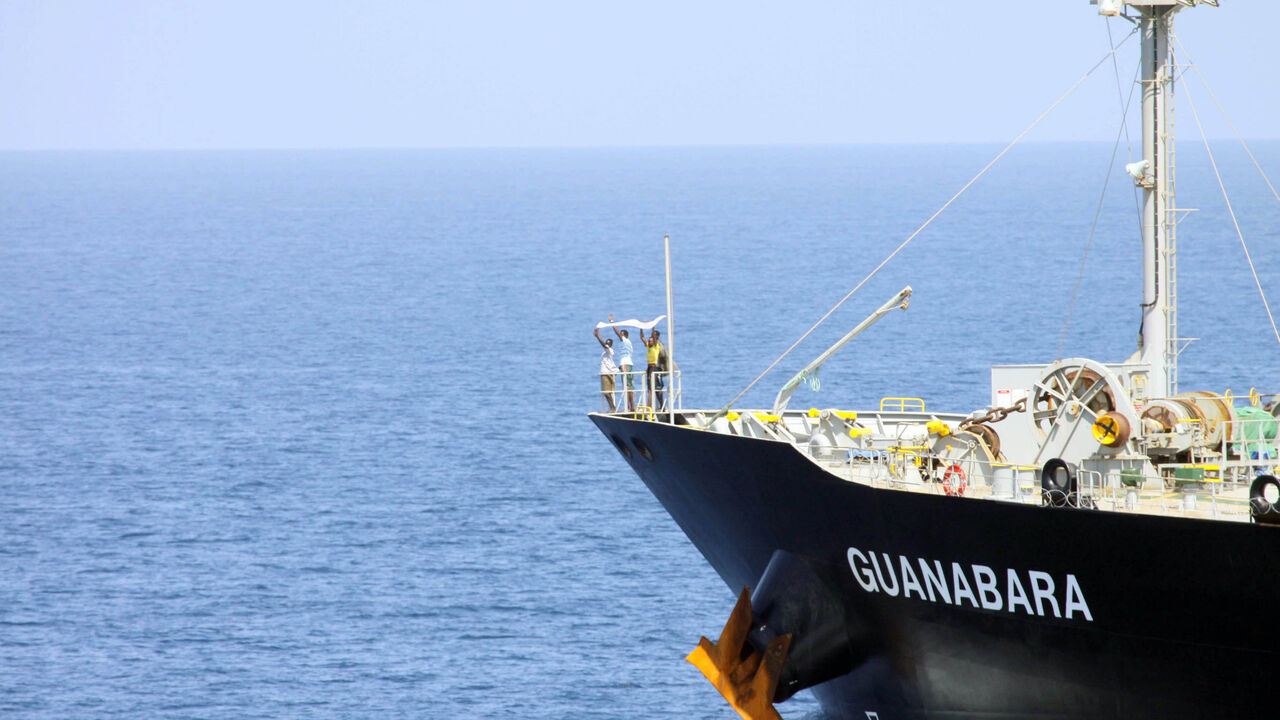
point(1157, 340)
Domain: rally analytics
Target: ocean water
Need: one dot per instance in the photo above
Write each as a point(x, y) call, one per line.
point(304, 434)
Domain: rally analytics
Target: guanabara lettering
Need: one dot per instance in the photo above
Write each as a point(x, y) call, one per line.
point(1029, 592)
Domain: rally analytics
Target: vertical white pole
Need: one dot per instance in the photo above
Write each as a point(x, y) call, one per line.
point(1156, 343)
point(671, 335)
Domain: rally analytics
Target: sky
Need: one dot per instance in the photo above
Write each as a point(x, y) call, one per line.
point(174, 74)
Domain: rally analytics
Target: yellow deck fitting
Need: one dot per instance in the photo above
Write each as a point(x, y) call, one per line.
point(745, 678)
point(902, 404)
point(1111, 429)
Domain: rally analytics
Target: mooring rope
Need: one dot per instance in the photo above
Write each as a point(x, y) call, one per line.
point(926, 224)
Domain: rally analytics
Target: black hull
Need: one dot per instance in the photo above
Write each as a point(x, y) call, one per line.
point(1182, 614)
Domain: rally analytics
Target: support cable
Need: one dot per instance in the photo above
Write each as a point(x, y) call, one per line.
point(1123, 132)
point(1234, 221)
point(1128, 142)
point(1226, 117)
point(926, 224)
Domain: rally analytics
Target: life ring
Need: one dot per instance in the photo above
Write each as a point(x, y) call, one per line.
point(954, 470)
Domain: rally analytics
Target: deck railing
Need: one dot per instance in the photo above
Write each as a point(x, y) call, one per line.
point(904, 467)
point(650, 394)
point(893, 450)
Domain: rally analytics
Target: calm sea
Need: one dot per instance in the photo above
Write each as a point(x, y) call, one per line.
point(304, 434)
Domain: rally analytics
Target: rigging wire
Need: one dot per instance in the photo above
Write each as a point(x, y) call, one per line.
point(926, 224)
point(1128, 142)
point(1234, 221)
point(1226, 117)
point(1123, 132)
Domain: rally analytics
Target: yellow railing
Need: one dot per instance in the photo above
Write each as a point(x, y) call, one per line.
point(902, 404)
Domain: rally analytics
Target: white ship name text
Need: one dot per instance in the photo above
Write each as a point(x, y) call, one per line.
point(1031, 592)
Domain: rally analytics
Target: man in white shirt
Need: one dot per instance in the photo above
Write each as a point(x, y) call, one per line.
point(626, 365)
point(607, 369)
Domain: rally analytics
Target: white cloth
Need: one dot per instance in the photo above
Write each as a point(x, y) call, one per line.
point(649, 325)
point(624, 349)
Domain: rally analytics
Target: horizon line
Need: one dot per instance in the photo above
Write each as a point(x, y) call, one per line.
point(642, 146)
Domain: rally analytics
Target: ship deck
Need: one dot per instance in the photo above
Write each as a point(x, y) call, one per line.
point(902, 448)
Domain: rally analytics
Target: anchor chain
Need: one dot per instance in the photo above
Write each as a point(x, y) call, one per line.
point(995, 415)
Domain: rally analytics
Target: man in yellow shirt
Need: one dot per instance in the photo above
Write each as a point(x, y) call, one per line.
point(653, 374)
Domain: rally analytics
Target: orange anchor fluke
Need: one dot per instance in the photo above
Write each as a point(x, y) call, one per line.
point(745, 678)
